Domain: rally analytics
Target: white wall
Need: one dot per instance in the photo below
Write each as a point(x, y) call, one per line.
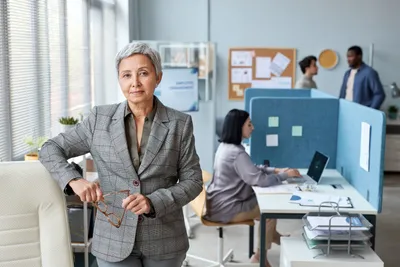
point(309, 26)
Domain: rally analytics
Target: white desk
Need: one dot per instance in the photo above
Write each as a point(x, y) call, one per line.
point(277, 206)
point(295, 253)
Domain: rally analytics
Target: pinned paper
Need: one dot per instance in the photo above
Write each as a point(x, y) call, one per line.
point(263, 67)
point(282, 82)
point(364, 146)
point(264, 84)
point(242, 58)
point(237, 90)
point(241, 75)
point(273, 122)
point(279, 64)
point(297, 131)
point(272, 140)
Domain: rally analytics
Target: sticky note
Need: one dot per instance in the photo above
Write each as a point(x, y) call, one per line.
point(272, 140)
point(297, 131)
point(273, 121)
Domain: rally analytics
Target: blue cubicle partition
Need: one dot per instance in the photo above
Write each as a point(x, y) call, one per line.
point(369, 184)
point(329, 125)
point(317, 117)
point(319, 94)
point(249, 93)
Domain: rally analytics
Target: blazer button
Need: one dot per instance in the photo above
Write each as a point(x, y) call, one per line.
point(136, 183)
point(140, 218)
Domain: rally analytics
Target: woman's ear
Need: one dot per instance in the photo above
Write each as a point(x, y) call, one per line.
point(159, 78)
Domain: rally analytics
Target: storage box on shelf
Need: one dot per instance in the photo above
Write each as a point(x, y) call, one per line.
point(392, 147)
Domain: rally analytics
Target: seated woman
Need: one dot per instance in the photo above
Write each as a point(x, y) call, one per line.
point(230, 197)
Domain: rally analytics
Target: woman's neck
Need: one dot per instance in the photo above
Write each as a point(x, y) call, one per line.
point(141, 110)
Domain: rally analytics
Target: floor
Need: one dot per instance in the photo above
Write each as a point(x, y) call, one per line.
point(387, 240)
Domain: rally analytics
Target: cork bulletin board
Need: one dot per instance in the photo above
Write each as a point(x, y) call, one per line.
point(260, 68)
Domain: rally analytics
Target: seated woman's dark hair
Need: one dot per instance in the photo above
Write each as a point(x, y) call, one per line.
point(233, 125)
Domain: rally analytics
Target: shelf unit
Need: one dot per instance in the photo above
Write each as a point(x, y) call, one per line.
point(200, 55)
point(392, 151)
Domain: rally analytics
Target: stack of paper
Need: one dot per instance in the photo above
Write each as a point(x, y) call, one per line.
point(340, 223)
point(335, 234)
point(277, 189)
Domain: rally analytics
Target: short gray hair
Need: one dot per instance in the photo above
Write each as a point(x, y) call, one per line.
point(139, 48)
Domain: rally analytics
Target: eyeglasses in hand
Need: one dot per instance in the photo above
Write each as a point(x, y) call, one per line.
point(112, 218)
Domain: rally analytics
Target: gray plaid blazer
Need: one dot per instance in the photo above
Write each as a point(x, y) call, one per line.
point(170, 157)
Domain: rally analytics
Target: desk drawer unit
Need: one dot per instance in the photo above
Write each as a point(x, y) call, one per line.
point(392, 153)
point(295, 253)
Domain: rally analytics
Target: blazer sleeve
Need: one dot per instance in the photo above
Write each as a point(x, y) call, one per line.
point(252, 175)
point(268, 170)
point(75, 142)
point(342, 93)
point(376, 87)
point(166, 200)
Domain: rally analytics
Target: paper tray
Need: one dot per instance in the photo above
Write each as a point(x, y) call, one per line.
point(336, 245)
point(364, 226)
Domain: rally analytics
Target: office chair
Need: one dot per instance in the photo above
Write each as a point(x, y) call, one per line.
point(34, 228)
point(198, 206)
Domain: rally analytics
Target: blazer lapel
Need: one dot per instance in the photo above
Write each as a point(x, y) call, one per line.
point(118, 138)
point(157, 136)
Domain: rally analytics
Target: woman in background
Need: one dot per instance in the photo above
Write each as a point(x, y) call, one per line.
point(230, 197)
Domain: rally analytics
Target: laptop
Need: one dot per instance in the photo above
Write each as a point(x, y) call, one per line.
point(315, 170)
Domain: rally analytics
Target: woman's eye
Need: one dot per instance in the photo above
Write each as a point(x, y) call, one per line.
point(143, 73)
point(126, 76)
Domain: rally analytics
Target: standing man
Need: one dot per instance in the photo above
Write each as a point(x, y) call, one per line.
point(308, 66)
point(361, 83)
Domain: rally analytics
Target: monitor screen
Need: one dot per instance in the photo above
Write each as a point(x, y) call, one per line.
point(317, 166)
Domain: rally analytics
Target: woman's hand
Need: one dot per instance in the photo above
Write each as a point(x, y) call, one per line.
point(293, 173)
point(87, 191)
point(137, 203)
point(277, 170)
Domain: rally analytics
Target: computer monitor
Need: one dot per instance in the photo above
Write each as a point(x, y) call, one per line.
point(317, 166)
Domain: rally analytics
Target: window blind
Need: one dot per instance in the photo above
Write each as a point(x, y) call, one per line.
point(80, 100)
point(5, 135)
point(44, 69)
point(58, 61)
point(28, 72)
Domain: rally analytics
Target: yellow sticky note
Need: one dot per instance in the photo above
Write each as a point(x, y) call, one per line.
point(297, 130)
point(273, 121)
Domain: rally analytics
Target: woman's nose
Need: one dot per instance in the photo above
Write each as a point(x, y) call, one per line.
point(135, 81)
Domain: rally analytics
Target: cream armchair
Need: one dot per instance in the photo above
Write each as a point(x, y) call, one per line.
point(34, 229)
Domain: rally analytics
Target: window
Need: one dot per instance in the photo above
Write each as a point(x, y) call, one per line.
point(45, 67)
point(26, 74)
point(79, 94)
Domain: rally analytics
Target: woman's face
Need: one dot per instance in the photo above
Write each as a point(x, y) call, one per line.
point(247, 128)
point(137, 78)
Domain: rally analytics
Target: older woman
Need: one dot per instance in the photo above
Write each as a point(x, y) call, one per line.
point(230, 197)
point(144, 148)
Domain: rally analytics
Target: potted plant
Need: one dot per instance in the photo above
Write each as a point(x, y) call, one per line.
point(393, 112)
point(34, 145)
point(67, 123)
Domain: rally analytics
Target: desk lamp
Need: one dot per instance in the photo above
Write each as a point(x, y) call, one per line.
point(395, 90)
